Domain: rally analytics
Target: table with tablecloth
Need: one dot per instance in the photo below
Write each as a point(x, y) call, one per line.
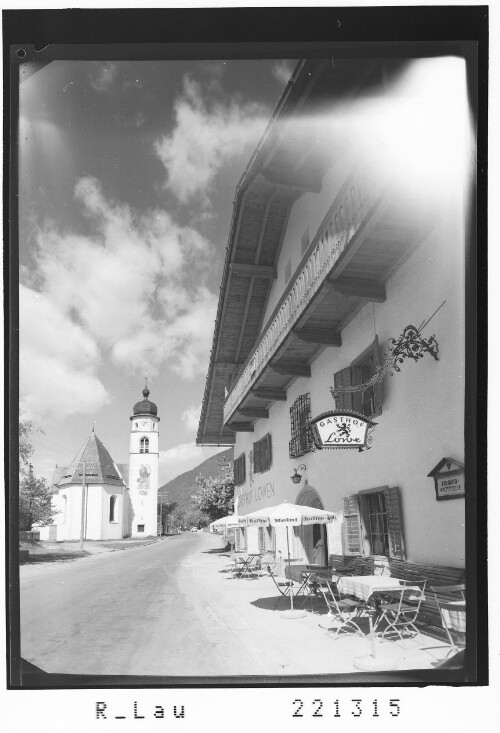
point(363, 586)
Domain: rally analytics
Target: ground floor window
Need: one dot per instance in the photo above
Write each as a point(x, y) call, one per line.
point(140, 528)
point(112, 508)
point(373, 523)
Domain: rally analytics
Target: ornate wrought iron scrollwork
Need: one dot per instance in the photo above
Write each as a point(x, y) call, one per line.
point(411, 345)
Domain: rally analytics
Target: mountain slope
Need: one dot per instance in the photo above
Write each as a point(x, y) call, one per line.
point(180, 488)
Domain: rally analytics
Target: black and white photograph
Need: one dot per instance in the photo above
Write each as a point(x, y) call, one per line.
point(244, 358)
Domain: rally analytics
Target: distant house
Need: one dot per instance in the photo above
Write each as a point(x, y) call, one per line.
point(328, 260)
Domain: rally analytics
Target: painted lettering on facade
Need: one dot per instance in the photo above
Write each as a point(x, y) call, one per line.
point(257, 494)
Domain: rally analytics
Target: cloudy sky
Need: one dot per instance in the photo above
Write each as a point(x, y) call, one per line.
point(128, 173)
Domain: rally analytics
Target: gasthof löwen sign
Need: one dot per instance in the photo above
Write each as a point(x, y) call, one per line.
point(341, 429)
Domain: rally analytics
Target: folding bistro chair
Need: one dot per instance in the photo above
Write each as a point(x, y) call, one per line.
point(343, 610)
point(450, 600)
point(400, 614)
point(268, 564)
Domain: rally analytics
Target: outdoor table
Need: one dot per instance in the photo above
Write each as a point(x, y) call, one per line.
point(363, 587)
point(245, 563)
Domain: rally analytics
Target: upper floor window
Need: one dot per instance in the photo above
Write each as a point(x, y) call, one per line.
point(239, 470)
point(367, 401)
point(262, 454)
point(300, 416)
point(144, 445)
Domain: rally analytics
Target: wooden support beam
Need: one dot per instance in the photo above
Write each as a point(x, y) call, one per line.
point(359, 288)
point(264, 272)
point(292, 369)
point(217, 440)
point(293, 179)
point(228, 366)
point(324, 336)
point(253, 412)
point(240, 427)
point(265, 393)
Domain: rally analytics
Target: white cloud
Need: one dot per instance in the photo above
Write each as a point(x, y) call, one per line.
point(133, 291)
point(183, 458)
point(282, 71)
point(58, 360)
point(204, 139)
point(191, 418)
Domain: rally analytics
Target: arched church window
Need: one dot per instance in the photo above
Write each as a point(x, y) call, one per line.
point(112, 507)
point(64, 508)
point(144, 445)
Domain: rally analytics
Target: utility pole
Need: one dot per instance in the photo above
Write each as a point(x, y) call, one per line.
point(82, 524)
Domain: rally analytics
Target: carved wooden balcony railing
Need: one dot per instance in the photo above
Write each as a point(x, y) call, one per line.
point(351, 209)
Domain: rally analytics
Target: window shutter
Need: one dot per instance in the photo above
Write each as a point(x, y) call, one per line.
point(257, 457)
point(353, 533)
point(262, 540)
point(269, 450)
point(378, 386)
point(343, 378)
point(239, 470)
point(394, 523)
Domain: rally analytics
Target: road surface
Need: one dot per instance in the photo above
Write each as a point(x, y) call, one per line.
point(126, 612)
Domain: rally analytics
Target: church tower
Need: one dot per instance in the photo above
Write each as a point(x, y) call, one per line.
point(143, 467)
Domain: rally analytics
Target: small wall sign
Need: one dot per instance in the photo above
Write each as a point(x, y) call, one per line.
point(341, 429)
point(449, 479)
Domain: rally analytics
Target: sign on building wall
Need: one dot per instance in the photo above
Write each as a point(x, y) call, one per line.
point(341, 429)
point(449, 479)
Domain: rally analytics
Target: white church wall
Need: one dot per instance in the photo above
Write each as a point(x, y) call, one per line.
point(94, 512)
point(112, 530)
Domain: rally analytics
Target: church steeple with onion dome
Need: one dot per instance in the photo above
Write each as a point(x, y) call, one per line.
point(143, 466)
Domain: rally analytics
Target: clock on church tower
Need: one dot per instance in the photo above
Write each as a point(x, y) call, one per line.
point(143, 467)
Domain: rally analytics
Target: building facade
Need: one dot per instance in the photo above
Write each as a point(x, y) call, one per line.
point(332, 254)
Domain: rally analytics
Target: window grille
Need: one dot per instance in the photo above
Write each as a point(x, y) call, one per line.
point(300, 417)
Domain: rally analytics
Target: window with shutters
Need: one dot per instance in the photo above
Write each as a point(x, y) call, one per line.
point(262, 454)
point(373, 523)
point(368, 401)
point(300, 416)
point(239, 470)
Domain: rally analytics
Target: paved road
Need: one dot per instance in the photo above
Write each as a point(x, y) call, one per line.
point(127, 612)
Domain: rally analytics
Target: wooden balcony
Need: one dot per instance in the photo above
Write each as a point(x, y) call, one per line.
point(368, 231)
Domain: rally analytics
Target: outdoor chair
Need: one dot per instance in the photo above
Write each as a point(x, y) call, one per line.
point(450, 600)
point(344, 611)
point(268, 564)
point(399, 613)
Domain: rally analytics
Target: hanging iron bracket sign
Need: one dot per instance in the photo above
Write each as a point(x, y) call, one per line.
point(342, 429)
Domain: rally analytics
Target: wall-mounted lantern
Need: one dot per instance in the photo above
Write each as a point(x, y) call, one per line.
point(297, 477)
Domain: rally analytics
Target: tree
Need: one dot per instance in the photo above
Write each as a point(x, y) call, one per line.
point(25, 445)
point(196, 518)
point(215, 496)
point(35, 501)
point(166, 508)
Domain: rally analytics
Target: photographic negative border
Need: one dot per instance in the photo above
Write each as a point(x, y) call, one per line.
point(46, 35)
